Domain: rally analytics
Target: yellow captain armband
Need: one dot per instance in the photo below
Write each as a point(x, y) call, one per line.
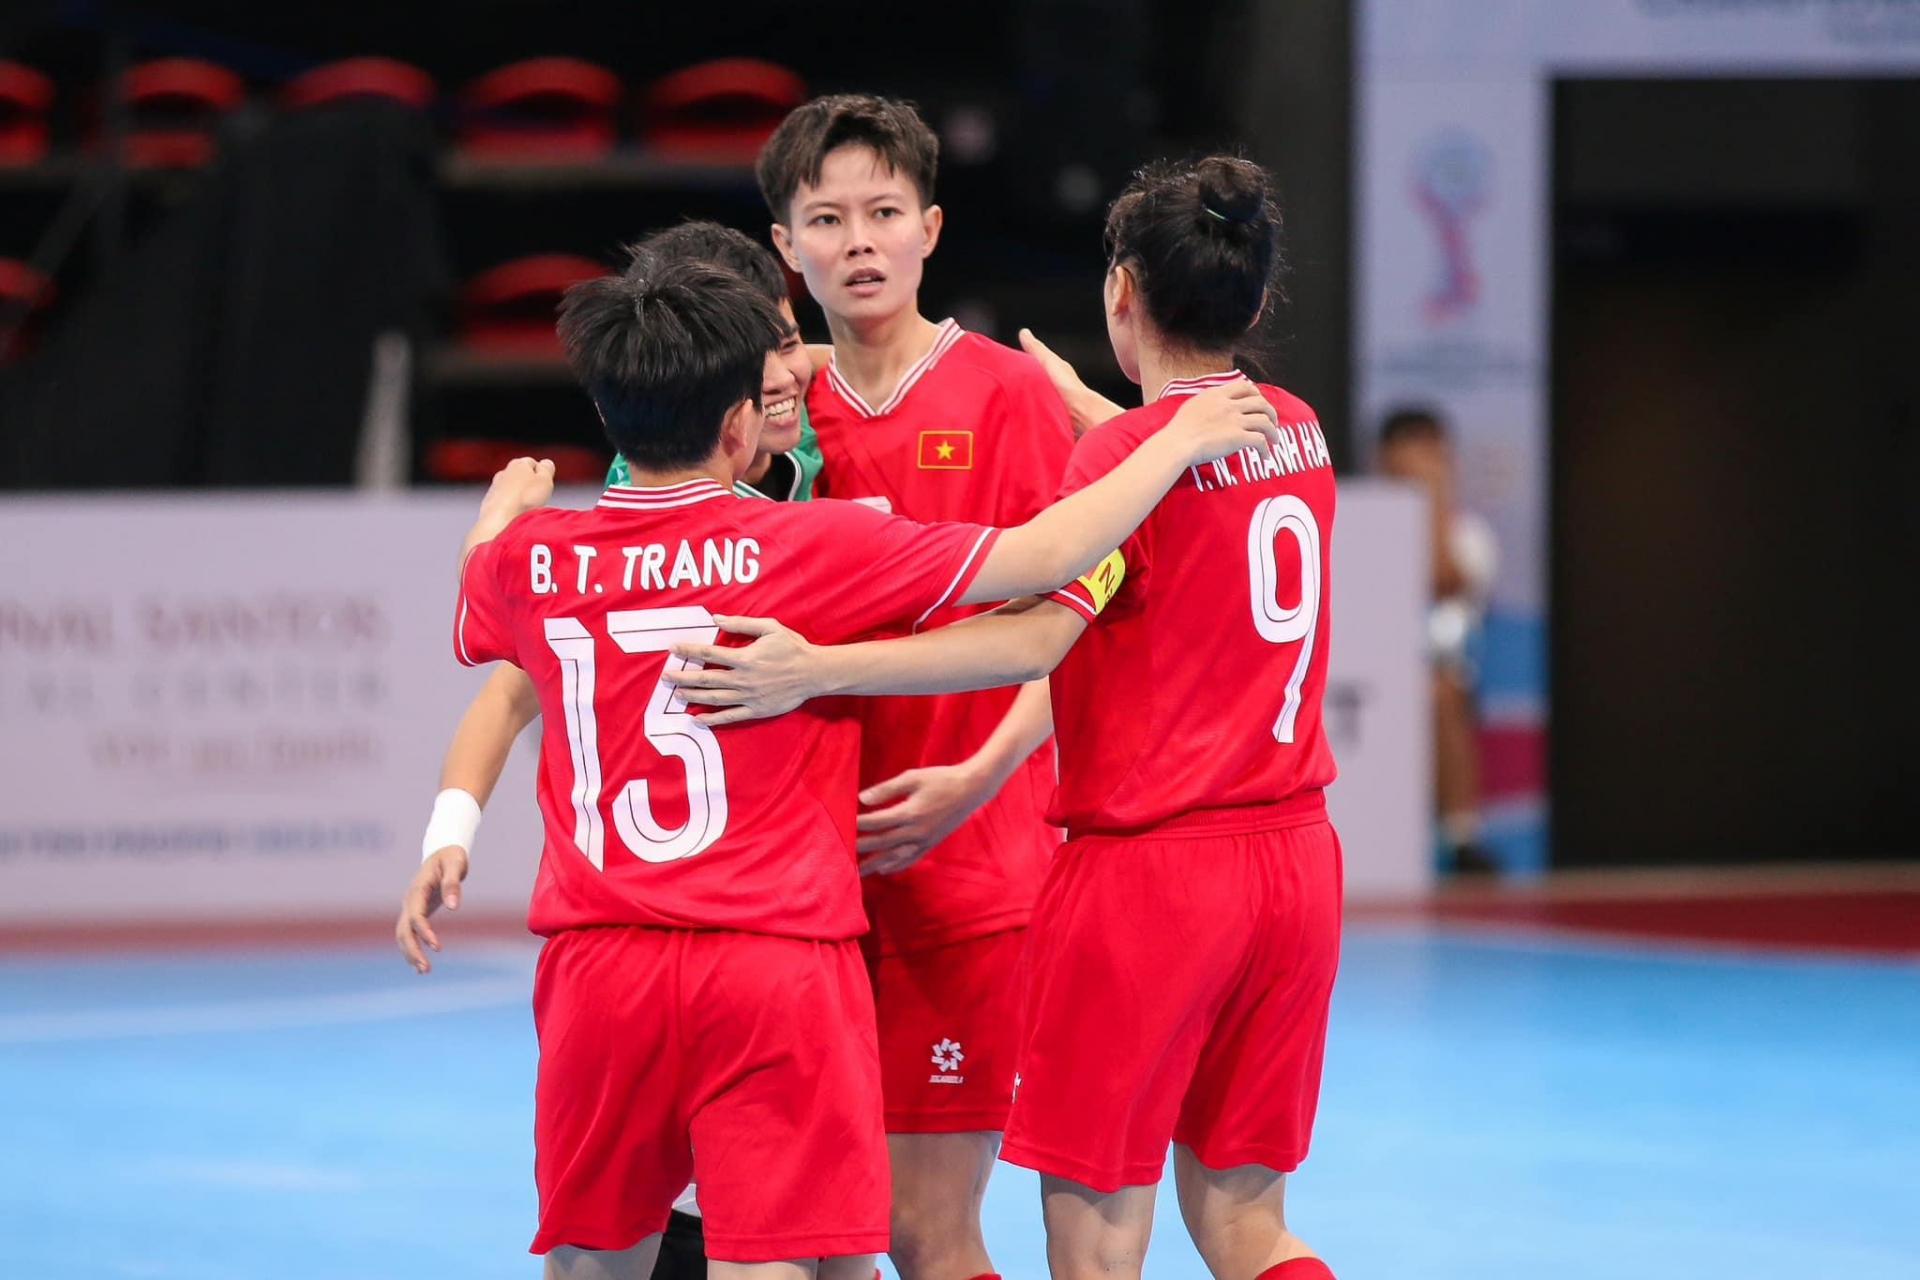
point(1105, 580)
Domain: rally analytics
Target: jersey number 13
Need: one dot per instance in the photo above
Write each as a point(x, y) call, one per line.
point(669, 726)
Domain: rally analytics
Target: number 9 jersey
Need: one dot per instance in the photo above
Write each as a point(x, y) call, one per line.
point(1193, 700)
point(651, 817)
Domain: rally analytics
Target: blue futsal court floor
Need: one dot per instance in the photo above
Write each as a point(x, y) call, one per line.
point(1496, 1108)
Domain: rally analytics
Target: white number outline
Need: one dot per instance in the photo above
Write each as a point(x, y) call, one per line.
point(667, 723)
point(1276, 624)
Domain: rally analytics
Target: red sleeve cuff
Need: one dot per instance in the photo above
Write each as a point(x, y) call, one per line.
point(1075, 596)
point(970, 566)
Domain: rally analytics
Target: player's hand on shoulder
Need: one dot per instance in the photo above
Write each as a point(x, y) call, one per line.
point(908, 815)
point(1226, 419)
point(1086, 408)
point(435, 884)
point(519, 487)
point(770, 677)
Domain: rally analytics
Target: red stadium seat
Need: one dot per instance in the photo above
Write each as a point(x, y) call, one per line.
point(541, 109)
point(382, 78)
point(21, 287)
point(510, 309)
point(174, 104)
point(722, 110)
point(25, 97)
point(475, 461)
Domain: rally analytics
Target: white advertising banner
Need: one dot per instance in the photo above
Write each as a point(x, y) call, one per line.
point(235, 708)
point(1452, 290)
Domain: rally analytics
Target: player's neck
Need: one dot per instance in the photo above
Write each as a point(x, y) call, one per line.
point(716, 469)
point(758, 468)
point(1159, 366)
point(873, 355)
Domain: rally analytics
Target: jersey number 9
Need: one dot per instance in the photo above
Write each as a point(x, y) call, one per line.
point(1275, 623)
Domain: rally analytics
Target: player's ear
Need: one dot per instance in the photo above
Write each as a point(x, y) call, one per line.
point(1119, 290)
point(932, 219)
point(740, 430)
point(783, 245)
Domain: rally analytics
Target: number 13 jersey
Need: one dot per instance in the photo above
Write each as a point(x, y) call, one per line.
point(1193, 699)
point(651, 817)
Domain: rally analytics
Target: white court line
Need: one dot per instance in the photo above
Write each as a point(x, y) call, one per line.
point(428, 998)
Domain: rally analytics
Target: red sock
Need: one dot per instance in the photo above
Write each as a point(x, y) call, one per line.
point(988, 1275)
point(1298, 1269)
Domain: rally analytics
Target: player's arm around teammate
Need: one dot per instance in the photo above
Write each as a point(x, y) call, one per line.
point(1021, 641)
point(1070, 538)
point(1014, 644)
point(1018, 642)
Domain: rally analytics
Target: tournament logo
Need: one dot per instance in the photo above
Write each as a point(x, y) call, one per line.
point(1453, 174)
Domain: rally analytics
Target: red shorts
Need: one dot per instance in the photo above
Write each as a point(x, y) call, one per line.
point(948, 1023)
point(1176, 989)
point(745, 1062)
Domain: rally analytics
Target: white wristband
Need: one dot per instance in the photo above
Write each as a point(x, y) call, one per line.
point(455, 821)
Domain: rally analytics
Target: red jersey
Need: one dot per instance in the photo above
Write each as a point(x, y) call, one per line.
point(651, 817)
point(1194, 697)
point(974, 432)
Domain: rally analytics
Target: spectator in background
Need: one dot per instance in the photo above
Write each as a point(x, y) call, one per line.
point(1414, 447)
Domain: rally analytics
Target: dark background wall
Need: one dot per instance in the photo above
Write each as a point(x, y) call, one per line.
point(1045, 106)
point(1736, 536)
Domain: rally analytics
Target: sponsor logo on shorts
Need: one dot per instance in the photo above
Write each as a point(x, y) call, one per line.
point(947, 1056)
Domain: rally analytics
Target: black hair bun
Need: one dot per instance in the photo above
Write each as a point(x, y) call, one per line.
point(1232, 190)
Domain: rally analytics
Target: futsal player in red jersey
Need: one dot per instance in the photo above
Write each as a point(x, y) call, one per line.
point(783, 469)
point(934, 423)
point(701, 1005)
point(1183, 950)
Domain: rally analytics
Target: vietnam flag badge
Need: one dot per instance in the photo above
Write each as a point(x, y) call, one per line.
point(946, 450)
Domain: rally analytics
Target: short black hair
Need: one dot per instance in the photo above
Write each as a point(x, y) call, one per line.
point(665, 349)
point(1202, 237)
point(1413, 422)
point(711, 242)
point(891, 128)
